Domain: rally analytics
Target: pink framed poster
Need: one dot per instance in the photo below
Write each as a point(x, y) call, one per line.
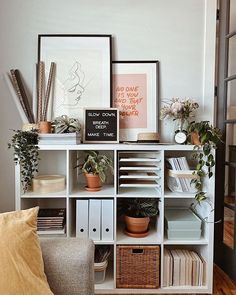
point(135, 94)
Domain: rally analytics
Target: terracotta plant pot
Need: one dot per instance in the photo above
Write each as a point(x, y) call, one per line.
point(195, 138)
point(137, 225)
point(93, 182)
point(45, 127)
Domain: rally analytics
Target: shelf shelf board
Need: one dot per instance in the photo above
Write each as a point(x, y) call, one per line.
point(140, 160)
point(152, 238)
point(136, 192)
point(141, 185)
point(102, 242)
point(184, 195)
point(191, 289)
point(141, 168)
point(80, 191)
point(137, 176)
point(33, 195)
point(201, 241)
point(42, 236)
point(124, 147)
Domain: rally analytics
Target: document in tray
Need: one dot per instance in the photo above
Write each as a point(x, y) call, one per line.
point(180, 183)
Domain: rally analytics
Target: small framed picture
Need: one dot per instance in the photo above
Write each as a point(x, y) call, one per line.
point(135, 94)
point(83, 72)
point(101, 125)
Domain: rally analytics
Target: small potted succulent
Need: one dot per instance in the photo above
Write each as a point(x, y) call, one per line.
point(137, 213)
point(94, 168)
point(25, 146)
point(205, 137)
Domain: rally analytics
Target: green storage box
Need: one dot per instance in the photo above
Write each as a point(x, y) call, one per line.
point(182, 224)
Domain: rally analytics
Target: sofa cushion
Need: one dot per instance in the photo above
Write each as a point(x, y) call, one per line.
point(21, 263)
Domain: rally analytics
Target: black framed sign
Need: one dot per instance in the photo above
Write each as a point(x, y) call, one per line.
point(101, 125)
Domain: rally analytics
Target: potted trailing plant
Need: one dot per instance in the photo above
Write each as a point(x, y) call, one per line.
point(206, 137)
point(25, 146)
point(94, 168)
point(137, 213)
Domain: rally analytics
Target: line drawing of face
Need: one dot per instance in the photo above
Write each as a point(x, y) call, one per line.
point(74, 84)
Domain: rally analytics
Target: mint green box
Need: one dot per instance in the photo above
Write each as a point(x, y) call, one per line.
point(182, 224)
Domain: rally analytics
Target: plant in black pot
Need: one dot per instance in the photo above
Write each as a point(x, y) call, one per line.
point(94, 168)
point(137, 213)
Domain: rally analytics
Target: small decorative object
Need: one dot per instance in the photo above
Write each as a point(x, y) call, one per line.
point(25, 146)
point(135, 94)
point(179, 110)
point(43, 97)
point(208, 137)
point(148, 137)
point(30, 127)
point(48, 183)
point(64, 124)
point(94, 168)
point(101, 125)
point(137, 213)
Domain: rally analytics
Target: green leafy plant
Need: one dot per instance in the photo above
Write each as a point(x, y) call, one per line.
point(209, 137)
point(64, 124)
point(96, 164)
point(138, 207)
point(25, 146)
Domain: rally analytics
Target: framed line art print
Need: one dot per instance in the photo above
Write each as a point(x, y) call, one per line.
point(83, 72)
point(135, 94)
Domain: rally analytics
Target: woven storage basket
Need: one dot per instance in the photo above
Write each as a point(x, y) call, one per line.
point(138, 267)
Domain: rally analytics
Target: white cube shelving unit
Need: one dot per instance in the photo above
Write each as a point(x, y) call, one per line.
point(123, 184)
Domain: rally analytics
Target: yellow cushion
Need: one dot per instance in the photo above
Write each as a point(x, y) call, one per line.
point(21, 262)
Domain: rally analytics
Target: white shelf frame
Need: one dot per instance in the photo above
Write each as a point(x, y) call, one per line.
point(108, 287)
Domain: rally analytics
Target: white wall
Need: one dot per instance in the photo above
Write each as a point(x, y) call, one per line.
point(180, 34)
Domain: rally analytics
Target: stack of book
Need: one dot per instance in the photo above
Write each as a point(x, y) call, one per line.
point(180, 184)
point(60, 138)
point(51, 221)
point(183, 268)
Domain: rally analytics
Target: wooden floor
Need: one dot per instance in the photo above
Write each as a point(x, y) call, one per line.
point(229, 233)
point(222, 284)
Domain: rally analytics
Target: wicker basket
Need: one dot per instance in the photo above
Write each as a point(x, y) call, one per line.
point(138, 267)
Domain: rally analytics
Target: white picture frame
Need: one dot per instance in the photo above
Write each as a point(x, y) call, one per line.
point(83, 72)
point(135, 94)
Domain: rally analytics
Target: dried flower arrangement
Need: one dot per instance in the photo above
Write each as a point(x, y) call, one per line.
point(177, 108)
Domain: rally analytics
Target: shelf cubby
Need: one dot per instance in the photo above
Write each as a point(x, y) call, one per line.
point(139, 170)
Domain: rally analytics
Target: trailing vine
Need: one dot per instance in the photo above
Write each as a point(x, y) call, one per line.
point(25, 147)
point(209, 137)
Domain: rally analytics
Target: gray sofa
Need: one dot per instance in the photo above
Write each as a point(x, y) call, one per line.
point(69, 265)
